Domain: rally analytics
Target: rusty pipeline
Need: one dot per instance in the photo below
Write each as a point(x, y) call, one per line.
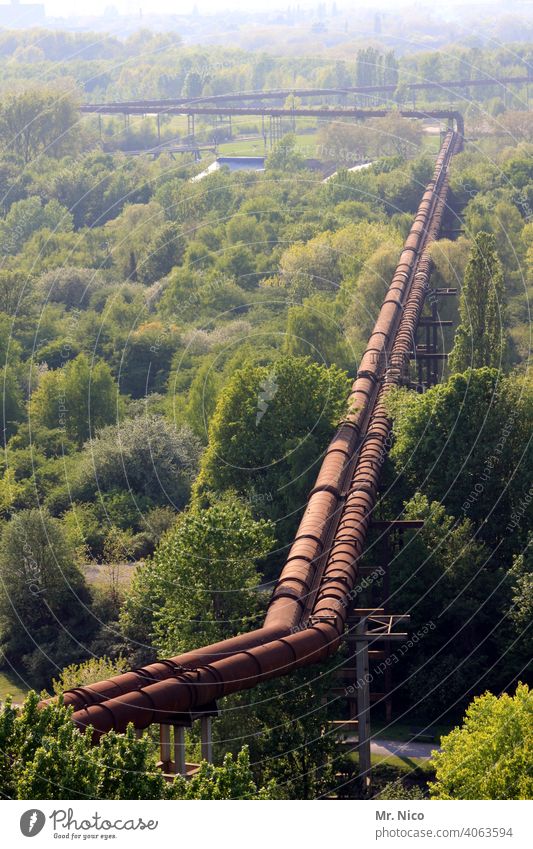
point(307, 612)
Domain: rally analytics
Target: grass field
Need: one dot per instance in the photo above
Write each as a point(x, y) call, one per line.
point(305, 144)
point(11, 685)
point(419, 766)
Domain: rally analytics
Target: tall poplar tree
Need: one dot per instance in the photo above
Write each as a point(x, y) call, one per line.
point(480, 339)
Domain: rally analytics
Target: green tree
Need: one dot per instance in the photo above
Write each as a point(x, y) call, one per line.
point(395, 135)
point(79, 399)
point(143, 456)
point(12, 405)
point(193, 85)
point(491, 755)
point(81, 674)
point(146, 358)
point(313, 330)
point(234, 779)
point(38, 119)
point(398, 790)
point(521, 610)
point(26, 217)
point(454, 591)
point(164, 250)
point(16, 291)
point(466, 443)
point(70, 285)
point(133, 233)
point(44, 756)
point(45, 619)
point(270, 426)
point(364, 298)
point(297, 747)
point(286, 724)
point(201, 399)
point(201, 585)
point(480, 339)
point(284, 156)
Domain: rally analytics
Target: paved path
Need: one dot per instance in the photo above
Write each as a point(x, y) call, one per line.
point(396, 747)
point(405, 750)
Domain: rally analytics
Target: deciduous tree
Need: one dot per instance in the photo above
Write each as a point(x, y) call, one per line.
point(201, 585)
point(491, 755)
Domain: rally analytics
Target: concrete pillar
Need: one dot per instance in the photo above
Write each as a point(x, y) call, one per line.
point(164, 744)
point(363, 704)
point(206, 739)
point(179, 750)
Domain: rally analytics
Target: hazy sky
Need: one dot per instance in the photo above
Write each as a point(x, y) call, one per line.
point(96, 7)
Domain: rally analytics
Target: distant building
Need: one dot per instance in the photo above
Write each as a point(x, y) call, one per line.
point(18, 15)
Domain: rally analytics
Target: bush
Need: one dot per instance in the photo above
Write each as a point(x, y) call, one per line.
point(44, 600)
point(491, 755)
point(398, 790)
point(70, 286)
point(81, 674)
point(145, 456)
point(202, 583)
point(44, 756)
point(233, 780)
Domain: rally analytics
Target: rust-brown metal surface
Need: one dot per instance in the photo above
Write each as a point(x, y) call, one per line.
point(307, 613)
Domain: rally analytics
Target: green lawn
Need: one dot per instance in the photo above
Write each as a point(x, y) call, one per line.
point(383, 763)
point(12, 685)
point(403, 764)
point(243, 147)
point(430, 143)
point(305, 143)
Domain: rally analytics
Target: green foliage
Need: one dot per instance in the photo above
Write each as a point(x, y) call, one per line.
point(15, 291)
point(450, 585)
point(38, 119)
point(70, 286)
point(44, 756)
point(81, 674)
point(143, 457)
point(26, 217)
point(79, 399)
point(284, 156)
point(322, 263)
point(270, 426)
point(202, 398)
point(232, 780)
point(132, 233)
point(314, 330)
point(521, 610)
point(12, 404)
point(44, 614)
point(286, 724)
point(365, 297)
point(201, 585)
point(163, 251)
point(398, 790)
point(146, 358)
point(491, 755)
point(466, 443)
point(481, 338)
